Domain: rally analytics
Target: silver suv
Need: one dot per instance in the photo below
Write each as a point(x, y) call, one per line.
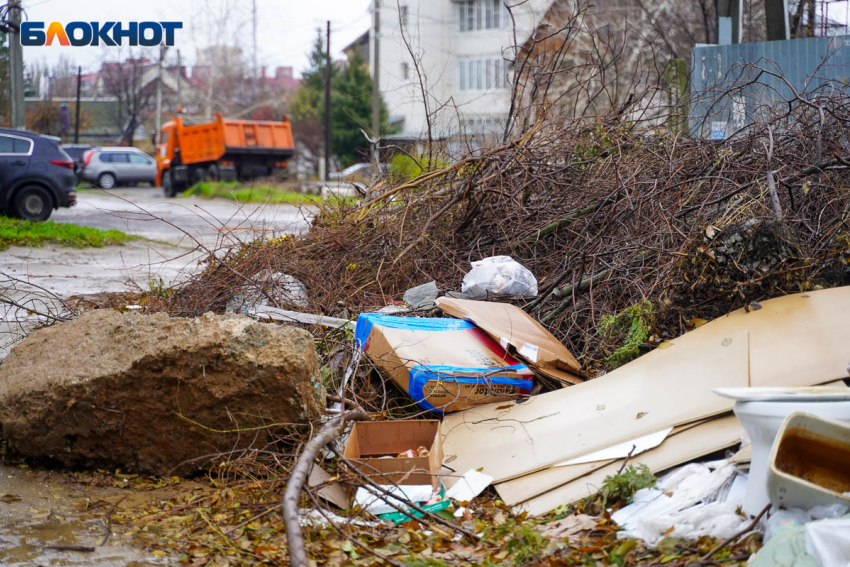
point(108, 167)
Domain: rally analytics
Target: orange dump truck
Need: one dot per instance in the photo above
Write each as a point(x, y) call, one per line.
point(221, 150)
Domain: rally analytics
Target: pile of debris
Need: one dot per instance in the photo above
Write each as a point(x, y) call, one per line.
point(686, 225)
point(617, 311)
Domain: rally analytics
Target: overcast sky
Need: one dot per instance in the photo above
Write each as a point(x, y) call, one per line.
point(285, 29)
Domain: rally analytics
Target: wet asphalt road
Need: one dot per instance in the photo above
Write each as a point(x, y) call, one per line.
point(147, 212)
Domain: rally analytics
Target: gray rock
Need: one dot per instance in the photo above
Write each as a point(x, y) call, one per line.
point(149, 393)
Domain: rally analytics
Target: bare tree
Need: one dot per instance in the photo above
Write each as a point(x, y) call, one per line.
point(129, 81)
point(220, 68)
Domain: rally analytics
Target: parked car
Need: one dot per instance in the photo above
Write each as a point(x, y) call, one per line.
point(36, 175)
point(358, 173)
point(76, 151)
point(109, 167)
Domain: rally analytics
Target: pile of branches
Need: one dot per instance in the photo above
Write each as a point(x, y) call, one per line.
point(603, 215)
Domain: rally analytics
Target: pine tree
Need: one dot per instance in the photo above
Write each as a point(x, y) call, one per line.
point(351, 105)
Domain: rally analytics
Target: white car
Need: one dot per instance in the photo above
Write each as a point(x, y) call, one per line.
point(110, 167)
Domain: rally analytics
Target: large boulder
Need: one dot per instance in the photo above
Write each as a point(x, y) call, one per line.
point(151, 393)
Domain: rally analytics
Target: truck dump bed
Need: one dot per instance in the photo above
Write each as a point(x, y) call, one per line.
point(211, 141)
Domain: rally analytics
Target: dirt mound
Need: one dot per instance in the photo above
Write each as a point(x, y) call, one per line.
point(146, 393)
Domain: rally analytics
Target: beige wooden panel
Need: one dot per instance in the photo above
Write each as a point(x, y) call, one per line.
point(702, 440)
point(796, 340)
point(663, 388)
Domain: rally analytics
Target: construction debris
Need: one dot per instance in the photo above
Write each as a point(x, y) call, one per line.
point(422, 296)
point(669, 387)
point(810, 463)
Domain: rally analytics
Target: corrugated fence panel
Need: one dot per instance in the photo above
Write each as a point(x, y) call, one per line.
point(732, 84)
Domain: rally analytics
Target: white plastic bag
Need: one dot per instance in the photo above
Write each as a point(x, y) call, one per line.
point(499, 275)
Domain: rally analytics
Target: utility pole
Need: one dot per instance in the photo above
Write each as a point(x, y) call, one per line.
point(328, 104)
point(16, 66)
point(179, 80)
point(376, 80)
point(77, 120)
point(256, 74)
point(159, 93)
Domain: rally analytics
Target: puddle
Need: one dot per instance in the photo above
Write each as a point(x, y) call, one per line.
point(41, 509)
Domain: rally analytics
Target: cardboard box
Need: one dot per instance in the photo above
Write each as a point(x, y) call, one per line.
point(373, 448)
point(444, 364)
point(520, 334)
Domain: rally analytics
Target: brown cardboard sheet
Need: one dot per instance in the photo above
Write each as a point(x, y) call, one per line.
point(796, 340)
point(512, 327)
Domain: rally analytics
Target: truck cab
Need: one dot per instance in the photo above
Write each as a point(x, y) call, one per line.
point(165, 148)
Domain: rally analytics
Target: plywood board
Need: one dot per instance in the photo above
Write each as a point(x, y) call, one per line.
point(796, 340)
point(663, 388)
point(526, 487)
point(702, 440)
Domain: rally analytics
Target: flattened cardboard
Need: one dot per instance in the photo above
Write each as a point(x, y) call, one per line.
point(510, 325)
point(704, 439)
point(373, 446)
point(663, 388)
point(333, 492)
point(443, 364)
point(796, 340)
point(527, 487)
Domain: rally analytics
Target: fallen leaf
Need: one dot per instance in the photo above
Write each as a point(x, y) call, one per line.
point(7, 498)
point(571, 527)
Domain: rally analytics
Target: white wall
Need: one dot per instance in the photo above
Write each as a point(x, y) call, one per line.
point(435, 38)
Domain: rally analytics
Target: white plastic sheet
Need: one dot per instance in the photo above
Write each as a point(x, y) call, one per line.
point(377, 503)
point(499, 276)
point(828, 541)
point(690, 511)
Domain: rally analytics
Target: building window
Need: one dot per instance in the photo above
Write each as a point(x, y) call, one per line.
point(402, 14)
point(474, 15)
point(483, 124)
point(482, 74)
point(405, 71)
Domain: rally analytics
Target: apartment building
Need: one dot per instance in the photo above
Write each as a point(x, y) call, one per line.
point(447, 62)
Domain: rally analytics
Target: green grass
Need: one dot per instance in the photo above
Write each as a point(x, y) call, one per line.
point(15, 232)
point(258, 194)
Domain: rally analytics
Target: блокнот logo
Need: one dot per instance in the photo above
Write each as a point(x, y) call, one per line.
point(146, 34)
